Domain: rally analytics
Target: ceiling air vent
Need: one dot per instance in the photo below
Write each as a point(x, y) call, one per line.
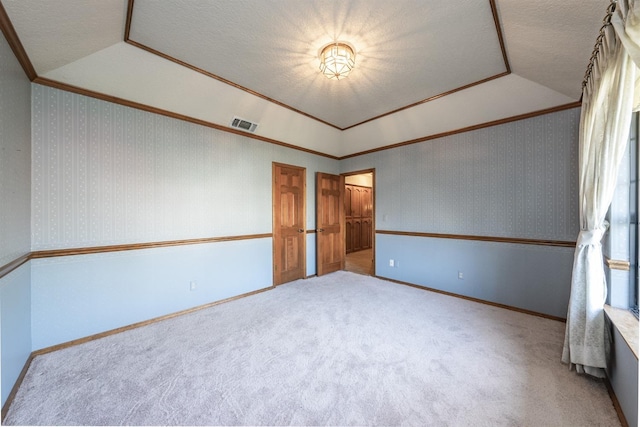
point(243, 124)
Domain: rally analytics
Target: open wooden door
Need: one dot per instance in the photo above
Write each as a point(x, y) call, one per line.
point(289, 223)
point(330, 249)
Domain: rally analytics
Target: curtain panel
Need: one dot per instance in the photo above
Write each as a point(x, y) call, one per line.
point(607, 104)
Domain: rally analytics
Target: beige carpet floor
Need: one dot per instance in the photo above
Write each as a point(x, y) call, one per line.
point(342, 349)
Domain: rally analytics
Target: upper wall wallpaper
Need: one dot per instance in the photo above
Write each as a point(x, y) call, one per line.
point(108, 174)
point(15, 157)
point(518, 179)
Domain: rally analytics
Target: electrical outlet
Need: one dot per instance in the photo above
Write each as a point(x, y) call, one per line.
point(192, 286)
point(392, 263)
point(460, 275)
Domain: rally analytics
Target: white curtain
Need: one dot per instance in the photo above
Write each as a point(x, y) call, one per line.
point(607, 104)
point(629, 34)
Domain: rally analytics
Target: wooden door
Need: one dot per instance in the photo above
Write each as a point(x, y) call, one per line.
point(289, 218)
point(330, 237)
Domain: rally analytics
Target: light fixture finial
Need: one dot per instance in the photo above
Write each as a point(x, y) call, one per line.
point(337, 60)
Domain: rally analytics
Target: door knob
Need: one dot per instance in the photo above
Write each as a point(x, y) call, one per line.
point(320, 230)
point(300, 230)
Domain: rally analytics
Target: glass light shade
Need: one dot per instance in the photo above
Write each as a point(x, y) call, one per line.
point(337, 60)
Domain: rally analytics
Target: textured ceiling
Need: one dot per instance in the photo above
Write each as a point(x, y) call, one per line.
point(56, 33)
point(258, 59)
point(406, 50)
point(550, 41)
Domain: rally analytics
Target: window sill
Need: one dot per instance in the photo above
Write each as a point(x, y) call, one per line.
point(627, 324)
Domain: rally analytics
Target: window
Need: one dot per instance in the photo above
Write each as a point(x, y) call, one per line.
point(621, 247)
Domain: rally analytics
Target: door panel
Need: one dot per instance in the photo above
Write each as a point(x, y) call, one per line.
point(367, 233)
point(357, 234)
point(356, 202)
point(367, 202)
point(330, 238)
point(348, 228)
point(289, 217)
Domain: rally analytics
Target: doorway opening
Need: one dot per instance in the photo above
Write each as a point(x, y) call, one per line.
point(359, 207)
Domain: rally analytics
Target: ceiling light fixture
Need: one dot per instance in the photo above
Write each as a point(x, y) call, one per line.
point(337, 60)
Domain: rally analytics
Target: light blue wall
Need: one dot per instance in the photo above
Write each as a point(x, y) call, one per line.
point(530, 277)
point(15, 216)
point(79, 296)
point(514, 180)
point(15, 158)
point(15, 318)
point(623, 375)
point(107, 174)
point(518, 179)
point(311, 254)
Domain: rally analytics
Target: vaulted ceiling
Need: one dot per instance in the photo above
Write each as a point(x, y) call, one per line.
point(423, 67)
